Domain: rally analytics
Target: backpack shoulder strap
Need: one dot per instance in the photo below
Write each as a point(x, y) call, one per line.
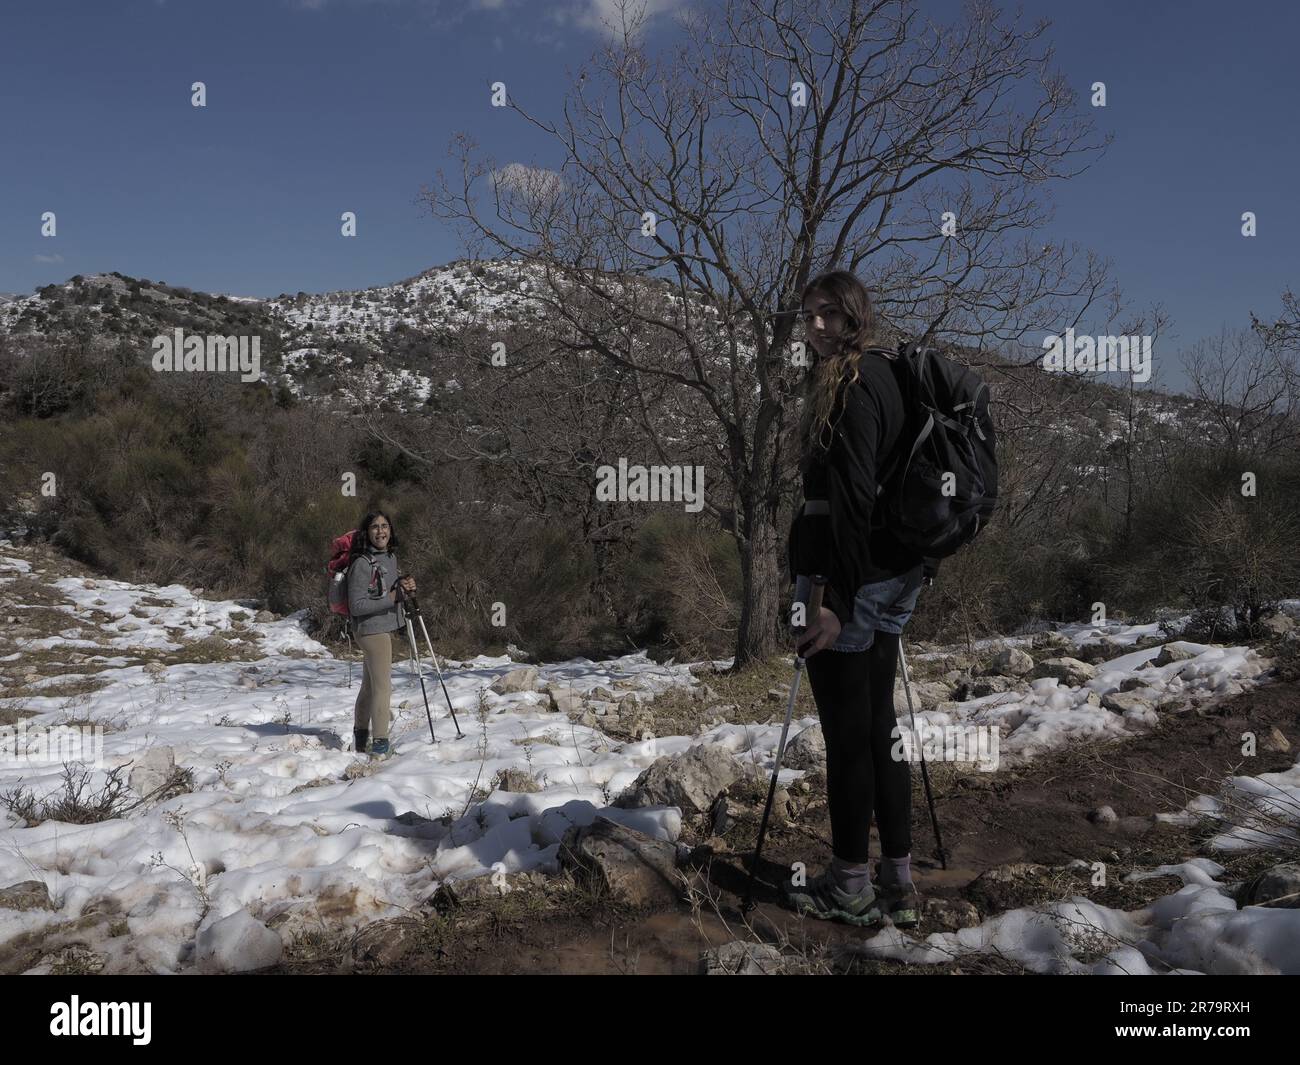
point(909, 362)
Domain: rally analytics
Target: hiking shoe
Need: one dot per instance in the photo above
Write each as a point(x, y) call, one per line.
point(360, 738)
point(824, 900)
point(380, 750)
point(902, 903)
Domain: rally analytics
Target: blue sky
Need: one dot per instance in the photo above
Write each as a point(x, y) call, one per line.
point(323, 106)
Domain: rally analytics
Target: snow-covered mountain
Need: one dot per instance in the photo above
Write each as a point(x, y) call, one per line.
point(397, 335)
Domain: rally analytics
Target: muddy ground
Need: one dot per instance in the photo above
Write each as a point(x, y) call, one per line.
point(1035, 814)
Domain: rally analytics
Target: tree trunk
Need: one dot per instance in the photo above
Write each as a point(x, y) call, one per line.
point(762, 578)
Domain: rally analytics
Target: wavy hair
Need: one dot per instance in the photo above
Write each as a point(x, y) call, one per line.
point(833, 375)
point(361, 539)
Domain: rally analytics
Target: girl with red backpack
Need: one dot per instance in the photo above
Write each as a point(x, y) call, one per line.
point(368, 588)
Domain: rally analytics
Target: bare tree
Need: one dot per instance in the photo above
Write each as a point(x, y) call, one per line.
point(777, 140)
point(1247, 386)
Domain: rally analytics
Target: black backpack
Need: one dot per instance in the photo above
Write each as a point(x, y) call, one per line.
point(948, 430)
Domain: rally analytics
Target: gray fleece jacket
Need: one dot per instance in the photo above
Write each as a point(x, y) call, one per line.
point(370, 578)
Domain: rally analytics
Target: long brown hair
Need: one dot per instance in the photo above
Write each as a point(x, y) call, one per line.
point(832, 376)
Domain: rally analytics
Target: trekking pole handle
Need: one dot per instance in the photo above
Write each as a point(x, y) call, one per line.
point(813, 588)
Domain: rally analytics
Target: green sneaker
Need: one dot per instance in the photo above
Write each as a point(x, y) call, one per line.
point(824, 900)
point(902, 903)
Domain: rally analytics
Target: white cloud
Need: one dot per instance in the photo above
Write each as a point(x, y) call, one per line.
point(530, 181)
point(606, 16)
point(55, 258)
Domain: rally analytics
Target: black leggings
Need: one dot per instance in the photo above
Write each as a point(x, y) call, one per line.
point(855, 702)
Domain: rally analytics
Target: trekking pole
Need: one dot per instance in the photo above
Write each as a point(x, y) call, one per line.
point(813, 607)
point(419, 672)
point(347, 631)
point(415, 609)
point(925, 776)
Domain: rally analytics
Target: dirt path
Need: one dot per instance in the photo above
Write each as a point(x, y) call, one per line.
point(1035, 814)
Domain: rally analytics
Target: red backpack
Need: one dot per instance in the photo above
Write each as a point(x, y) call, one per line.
point(337, 571)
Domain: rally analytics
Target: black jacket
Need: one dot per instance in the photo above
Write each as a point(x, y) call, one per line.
point(847, 545)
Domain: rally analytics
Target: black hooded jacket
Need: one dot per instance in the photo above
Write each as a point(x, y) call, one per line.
point(846, 544)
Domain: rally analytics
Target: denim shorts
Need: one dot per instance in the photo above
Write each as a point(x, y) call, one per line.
point(885, 605)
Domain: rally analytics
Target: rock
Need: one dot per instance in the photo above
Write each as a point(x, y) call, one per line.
point(27, 895)
point(629, 866)
point(588, 719)
point(992, 685)
point(564, 699)
point(1103, 815)
point(1278, 624)
point(807, 750)
point(636, 719)
point(1275, 741)
point(516, 655)
point(518, 780)
point(1067, 670)
point(930, 693)
point(154, 668)
point(1012, 662)
point(1122, 702)
point(452, 893)
point(248, 682)
point(948, 915)
point(356, 770)
point(1170, 653)
point(151, 769)
point(1278, 886)
point(721, 817)
point(264, 616)
point(742, 958)
point(317, 782)
point(385, 943)
point(1140, 718)
point(1132, 684)
point(1051, 641)
point(239, 943)
point(1101, 650)
point(701, 669)
point(778, 695)
point(691, 780)
point(523, 679)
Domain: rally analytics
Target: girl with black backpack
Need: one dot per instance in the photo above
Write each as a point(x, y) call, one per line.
point(854, 420)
